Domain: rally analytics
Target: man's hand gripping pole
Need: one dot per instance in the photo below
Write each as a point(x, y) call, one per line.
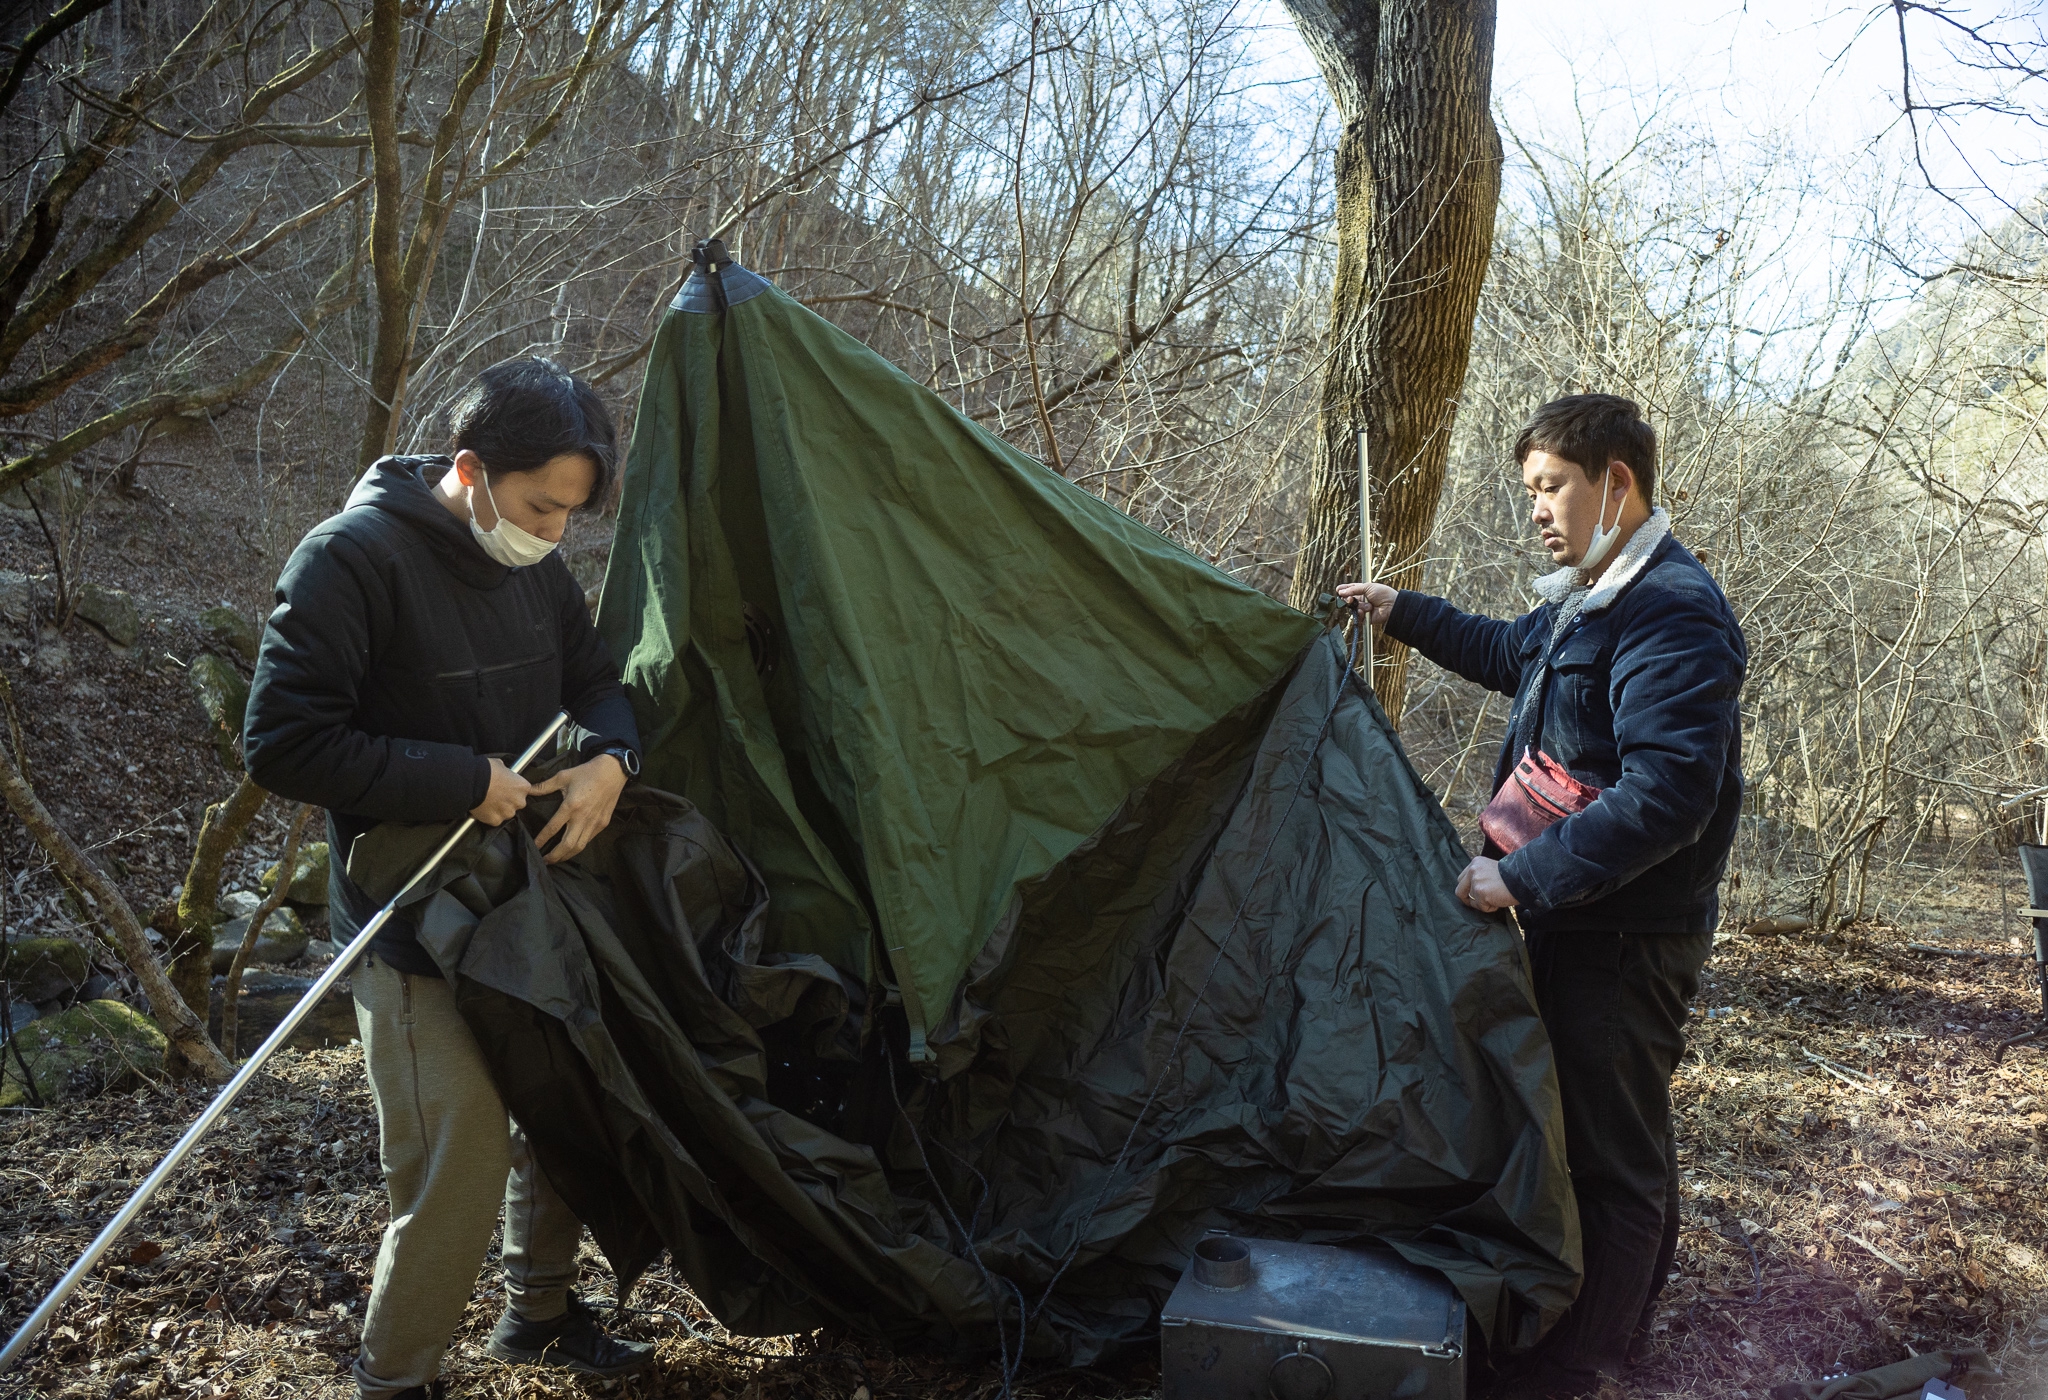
point(343, 960)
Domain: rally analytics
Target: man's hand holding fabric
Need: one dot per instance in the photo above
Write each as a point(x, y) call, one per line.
point(589, 793)
point(1480, 887)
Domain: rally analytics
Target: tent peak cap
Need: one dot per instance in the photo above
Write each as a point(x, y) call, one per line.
point(717, 282)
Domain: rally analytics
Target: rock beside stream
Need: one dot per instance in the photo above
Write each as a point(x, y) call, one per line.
point(96, 1047)
point(282, 940)
point(40, 970)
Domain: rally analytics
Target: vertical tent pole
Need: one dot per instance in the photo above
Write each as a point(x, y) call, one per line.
point(1365, 549)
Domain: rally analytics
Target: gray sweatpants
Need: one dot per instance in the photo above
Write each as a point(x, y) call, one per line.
point(450, 1154)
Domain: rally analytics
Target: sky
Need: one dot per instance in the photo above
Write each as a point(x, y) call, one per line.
point(1816, 78)
point(1825, 72)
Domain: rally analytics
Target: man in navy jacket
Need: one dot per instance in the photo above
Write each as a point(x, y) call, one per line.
point(1628, 675)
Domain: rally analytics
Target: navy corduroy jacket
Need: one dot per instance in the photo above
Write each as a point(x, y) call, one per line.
point(1643, 703)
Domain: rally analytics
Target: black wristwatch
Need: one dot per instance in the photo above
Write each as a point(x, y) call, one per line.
point(628, 760)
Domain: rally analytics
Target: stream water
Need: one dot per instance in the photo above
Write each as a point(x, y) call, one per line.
point(268, 996)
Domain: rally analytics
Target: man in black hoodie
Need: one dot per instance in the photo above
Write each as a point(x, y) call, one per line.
point(427, 627)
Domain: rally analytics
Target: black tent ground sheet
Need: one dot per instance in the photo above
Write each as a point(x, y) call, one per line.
point(1013, 898)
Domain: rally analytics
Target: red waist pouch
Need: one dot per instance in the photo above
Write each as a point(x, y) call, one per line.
point(1537, 795)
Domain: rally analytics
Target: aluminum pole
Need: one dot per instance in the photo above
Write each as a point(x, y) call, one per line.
point(41, 1316)
point(1365, 550)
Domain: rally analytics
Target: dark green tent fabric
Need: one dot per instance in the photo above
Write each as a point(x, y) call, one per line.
point(973, 660)
point(1168, 933)
point(1363, 1061)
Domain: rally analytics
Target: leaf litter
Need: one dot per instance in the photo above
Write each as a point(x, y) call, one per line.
point(1862, 1178)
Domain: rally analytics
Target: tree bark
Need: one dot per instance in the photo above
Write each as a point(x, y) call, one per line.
point(1418, 179)
point(190, 951)
point(231, 990)
point(380, 95)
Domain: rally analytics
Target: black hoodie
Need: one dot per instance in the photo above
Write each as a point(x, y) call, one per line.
point(398, 654)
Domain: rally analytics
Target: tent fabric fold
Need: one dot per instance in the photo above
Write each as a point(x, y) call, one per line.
point(1013, 897)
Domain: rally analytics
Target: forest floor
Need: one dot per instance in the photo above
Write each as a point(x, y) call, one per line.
point(1863, 1177)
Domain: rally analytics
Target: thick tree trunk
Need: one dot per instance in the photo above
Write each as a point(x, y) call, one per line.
point(393, 335)
point(1418, 178)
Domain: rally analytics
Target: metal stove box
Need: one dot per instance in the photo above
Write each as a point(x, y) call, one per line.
point(1272, 1320)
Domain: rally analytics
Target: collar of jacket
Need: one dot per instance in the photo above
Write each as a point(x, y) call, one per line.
point(404, 487)
point(1634, 558)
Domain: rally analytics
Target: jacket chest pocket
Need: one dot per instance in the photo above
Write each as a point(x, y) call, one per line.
point(1580, 711)
point(504, 681)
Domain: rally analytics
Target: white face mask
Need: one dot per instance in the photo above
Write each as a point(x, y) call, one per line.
point(1603, 538)
point(504, 541)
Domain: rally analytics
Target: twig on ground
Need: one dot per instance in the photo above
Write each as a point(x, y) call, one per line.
point(1902, 1268)
point(1862, 1082)
point(1974, 955)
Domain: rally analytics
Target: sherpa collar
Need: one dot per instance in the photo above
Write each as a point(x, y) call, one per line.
point(1556, 587)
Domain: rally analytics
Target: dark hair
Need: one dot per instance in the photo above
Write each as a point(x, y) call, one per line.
point(1593, 430)
point(522, 414)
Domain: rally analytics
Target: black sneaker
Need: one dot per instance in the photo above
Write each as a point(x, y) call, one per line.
point(437, 1391)
point(572, 1341)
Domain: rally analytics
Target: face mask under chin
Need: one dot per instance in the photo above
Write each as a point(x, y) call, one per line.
point(1603, 538)
point(505, 542)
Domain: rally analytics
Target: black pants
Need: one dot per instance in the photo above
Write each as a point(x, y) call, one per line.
point(1615, 1006)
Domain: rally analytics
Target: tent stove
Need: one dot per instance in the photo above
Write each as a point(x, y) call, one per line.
point(1253, 1319)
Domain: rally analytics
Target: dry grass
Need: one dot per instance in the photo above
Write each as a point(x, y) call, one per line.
point(1896, 1196)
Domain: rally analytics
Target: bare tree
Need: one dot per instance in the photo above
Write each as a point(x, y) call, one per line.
point(1418, 178)
point(185, 1031)
point(2000, 66)
point(534, 89)
point(134, 205)
point(1088, 233)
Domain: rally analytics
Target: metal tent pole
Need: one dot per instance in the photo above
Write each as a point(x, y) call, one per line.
point(40, 1318)
point(1365, 551)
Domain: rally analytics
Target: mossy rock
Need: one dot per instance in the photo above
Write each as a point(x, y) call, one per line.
point(309, 875)
point(111, 610)
point(97, 1047)
point(43, 969)
point(226, 628)
point(282, 940)
point(223, 696)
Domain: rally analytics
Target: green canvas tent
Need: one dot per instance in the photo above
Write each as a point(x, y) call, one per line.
point(1014, 897)
point(903, 665)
